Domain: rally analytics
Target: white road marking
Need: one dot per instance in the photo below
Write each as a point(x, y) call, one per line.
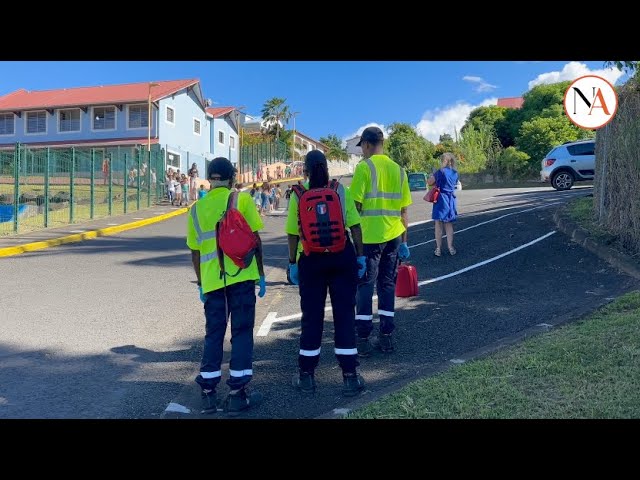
point(77, 231)
point(176, 407)
point(272, 317)
point(266, 324)
point(421, 222)
point(457, 361)
point(488, 221)
point(113, 224)
point(485, 262)
point(138, 218)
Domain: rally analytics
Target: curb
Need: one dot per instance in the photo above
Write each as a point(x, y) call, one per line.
point(582, 238)
point(79, 237)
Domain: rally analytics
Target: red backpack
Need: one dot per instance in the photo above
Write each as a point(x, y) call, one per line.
point(321, 218)
point(235, 237)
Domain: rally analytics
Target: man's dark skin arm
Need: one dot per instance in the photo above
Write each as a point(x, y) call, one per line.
point(358, 207)
point(405, 221)
point(293, 240)
point(259, 255)
point(356, 235)
point(195, 260)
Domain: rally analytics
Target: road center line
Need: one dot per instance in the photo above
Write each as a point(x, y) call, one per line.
point(272, 317)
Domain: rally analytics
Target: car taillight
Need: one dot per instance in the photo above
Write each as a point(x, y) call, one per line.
point(549, 161)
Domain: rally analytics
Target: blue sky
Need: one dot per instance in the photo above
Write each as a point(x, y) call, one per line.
point(332, 97)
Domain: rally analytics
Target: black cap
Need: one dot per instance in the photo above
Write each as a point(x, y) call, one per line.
point(221, 167)
point(372, 135)
point(314, 157)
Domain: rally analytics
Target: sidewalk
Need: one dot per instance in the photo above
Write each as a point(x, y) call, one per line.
point(49, 237)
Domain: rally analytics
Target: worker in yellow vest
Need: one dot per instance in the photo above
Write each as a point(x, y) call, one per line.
point(380, 189)
point(225, 289)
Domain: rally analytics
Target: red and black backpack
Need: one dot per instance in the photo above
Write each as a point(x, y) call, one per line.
point(235, 238)
point(321, 218)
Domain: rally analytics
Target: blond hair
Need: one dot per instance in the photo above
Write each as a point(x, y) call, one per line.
point(448, 159)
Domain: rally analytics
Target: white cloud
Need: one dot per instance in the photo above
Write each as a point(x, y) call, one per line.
point(361, 129)
point(481, 85)
point(573, 70)
point(444, 120)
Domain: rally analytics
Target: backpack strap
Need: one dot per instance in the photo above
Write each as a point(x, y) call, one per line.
point(299, 191)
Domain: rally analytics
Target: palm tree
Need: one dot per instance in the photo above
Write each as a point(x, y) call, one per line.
point(275, 112)
point(336, 150)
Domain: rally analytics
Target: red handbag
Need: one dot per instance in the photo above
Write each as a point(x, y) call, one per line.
point(432, 195)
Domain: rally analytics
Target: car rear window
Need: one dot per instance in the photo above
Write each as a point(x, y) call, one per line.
point(416, 177)
point(587, 148)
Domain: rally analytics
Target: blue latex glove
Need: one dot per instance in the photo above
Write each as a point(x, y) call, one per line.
point(403, 251)
point(263, 286)
point(202, 297)
point(362, 266)
point(293, 273)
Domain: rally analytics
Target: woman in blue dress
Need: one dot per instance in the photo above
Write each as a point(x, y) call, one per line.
point(445, 209)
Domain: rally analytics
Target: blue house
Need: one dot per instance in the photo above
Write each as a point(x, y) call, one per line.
point(113, 116)
point(224, 128)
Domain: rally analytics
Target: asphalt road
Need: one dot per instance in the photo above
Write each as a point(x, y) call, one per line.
point(113, 328)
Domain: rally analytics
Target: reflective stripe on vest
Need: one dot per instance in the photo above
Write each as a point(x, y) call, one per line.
point(380, 212)
point(374, 193)
point(207, 235)
point(200, 235)
point(208, 257)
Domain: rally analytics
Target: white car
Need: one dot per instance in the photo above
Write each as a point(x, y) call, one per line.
point(568, 163)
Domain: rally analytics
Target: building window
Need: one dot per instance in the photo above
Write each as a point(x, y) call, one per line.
point(171, 115)
point(196, 126)
point(232, 141)
point(173, 159)
point(36, 122)
point(138, 116)
point(7, 124)
point(104, 118)
point(221, 137)
point(69, 120)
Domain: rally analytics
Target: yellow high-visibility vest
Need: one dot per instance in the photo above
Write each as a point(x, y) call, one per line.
point(201, 235)
point(382, 187)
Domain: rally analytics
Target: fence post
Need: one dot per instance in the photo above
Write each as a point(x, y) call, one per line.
point(148, 177)
point(16, 186)
point(92, 186)
point(111, 183)
point(72, 176)
point(126, 185)
point(46, 187)
point(138, 176)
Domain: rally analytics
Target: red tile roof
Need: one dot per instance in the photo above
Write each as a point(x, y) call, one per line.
point(511, 102)
point(219, 111)
point(80, 96)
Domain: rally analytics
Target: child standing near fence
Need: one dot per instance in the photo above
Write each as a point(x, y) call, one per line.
point(178, 188)
point(171, 189)
point(184, 184)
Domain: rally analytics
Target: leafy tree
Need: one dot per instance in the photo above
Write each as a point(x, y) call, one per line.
point(445, 138)
point(539, 135)
point(336, 150)
point(493, 117)
point(409, 149)
point(627, 67)
point(480, 148)
point(274, 112)
point(514, 164)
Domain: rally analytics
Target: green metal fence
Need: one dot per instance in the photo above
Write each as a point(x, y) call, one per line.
point(253, 156)
point(51, 187)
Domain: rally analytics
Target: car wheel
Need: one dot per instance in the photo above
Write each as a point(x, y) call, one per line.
point(562, 181)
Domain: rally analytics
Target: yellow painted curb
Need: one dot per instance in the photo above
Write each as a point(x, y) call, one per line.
point(79, 237)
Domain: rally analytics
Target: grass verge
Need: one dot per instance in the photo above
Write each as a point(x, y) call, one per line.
point(588, 369)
